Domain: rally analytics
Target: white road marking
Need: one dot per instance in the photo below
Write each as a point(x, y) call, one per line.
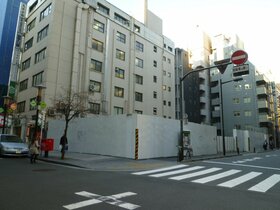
point(185, 176)
point(247, 160)
point(95, 198)
point(159, 170)
point(82, 204)
point(240, 180)
point(243, 165)
point(177, 171)
point(266, 184)
point(216, 176)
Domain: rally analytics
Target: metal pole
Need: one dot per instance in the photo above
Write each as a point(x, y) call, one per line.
point(181, 142)
point(5, 114)
point(222, 118)
point(6, 103)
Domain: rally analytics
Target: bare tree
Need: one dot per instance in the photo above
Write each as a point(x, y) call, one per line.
point(71, 105)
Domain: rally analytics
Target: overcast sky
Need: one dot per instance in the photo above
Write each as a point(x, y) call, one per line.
point(256, 22)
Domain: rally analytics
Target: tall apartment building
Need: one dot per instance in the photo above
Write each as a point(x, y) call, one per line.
point(8, 25)
point(196, 89)
point(246, 103)
point(92, 46)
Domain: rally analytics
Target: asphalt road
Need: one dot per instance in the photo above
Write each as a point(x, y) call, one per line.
point(251, 183)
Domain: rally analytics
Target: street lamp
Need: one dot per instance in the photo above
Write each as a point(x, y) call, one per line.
point(38, 101)
point(6, 105)
point(221, 65)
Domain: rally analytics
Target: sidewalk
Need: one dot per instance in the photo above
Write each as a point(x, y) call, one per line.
point(109, 163)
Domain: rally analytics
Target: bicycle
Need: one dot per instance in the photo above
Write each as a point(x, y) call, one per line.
point(189, 152)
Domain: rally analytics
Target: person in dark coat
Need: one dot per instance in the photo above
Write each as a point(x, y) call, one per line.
point(64, 145)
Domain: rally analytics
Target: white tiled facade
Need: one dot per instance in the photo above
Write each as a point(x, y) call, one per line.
point(94, 47)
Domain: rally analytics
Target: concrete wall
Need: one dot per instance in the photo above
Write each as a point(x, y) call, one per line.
point(249, 141)
point(115, 135)
point(203, 138)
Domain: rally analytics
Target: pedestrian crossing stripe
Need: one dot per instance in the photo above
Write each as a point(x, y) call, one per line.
point(240, 180)
point(216, 176)
point(186, 176)
point(159, 170)
point(177, 171)
point(266, 184)
point(185, 172)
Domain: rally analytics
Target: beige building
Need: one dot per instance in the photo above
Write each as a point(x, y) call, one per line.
point(92, 46)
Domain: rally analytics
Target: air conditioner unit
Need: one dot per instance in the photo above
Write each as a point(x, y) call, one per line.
point(91, 87)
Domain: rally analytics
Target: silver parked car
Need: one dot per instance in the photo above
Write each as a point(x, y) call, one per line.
point(12, 145)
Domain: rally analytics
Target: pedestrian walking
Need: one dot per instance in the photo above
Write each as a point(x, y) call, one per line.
point(34, 150)
point(64, 145)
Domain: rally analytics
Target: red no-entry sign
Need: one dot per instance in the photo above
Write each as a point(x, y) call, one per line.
point(239, 57)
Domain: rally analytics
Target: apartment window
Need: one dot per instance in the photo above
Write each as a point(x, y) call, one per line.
point(155, 79)
point(247, 113)
point(119, 92)
point(98, 26)
point(237, 126)
point(154, 111)
point(169, 103)
point(23, 85)
point(30, 102)
point(21, 107)
point(164, 87)
point(95, 65)
point(137, 28)
point(164, 73)
point(139, 62)
point(121, 37)
point(28, 44)
point(138, 112)
point(121, 19)
point(118, 110)
point(97, 45)
point(31, 25)
point(155, 63)
point(26, 64)
point(164, 102)
point(120, 55)
point(37, 79)
point(154, 94)
point(247, 100)
point(45, 12)
point(164, 58)
point(236, 100)
point(39, 56)
point(94, 86)
point(94, 108)
point(119, 73)
point(236, 113)
point(43, 33)
point(169, 89)
point(169, 60)
point(247, 86)
point(103, 9)
point(238, 87)
point(170, 49)
point(138, 96)
point(139, 79)
point(139, 46)
point(155, 49)
point(169, 74)
point(33, 6)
